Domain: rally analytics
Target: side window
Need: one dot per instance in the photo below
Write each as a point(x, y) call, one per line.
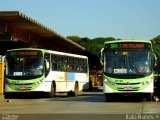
point(71, 64)
point(54, 60)
point(47, 63)
point(81, 63)
point(77, 67)
point(65, 64)
point(85, 65)
point(60, 63)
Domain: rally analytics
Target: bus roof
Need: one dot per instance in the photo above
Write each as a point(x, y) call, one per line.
point(49, 51)
point(115, 41)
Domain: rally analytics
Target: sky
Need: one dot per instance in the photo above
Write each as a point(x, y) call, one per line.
point(121, 19)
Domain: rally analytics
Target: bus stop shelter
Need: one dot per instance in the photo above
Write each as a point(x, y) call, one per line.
point(19, 30)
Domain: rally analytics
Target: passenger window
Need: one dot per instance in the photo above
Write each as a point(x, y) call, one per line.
point(77, 66)
point(81, 63)
point(54, 62)
point(47, 60)
point(65, 63)
point(60, 63)
point(71, 65)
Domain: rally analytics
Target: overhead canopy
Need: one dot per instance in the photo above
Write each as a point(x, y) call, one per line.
point(47, 38)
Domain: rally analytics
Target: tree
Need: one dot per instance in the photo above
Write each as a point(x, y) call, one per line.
point(156, 45)
point(156, 49)
point(75, 39)
point(92, 45)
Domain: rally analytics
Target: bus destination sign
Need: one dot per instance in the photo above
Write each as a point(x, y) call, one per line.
point(126, 45)
point(24, 53)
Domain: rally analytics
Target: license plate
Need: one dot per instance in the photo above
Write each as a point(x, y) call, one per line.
point(128, 88)
point(23, 88)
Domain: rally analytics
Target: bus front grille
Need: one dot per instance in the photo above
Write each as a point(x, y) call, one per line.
point(128, 83)
point(128, 88)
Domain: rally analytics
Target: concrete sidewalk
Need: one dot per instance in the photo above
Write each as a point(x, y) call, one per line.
point(1, 98)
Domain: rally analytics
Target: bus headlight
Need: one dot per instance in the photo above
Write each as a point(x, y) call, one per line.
point(146, 82)
point(39, 82)
point(109, 82)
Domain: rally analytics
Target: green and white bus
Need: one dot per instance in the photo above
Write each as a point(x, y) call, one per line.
point(128, 68)
point(41, 70)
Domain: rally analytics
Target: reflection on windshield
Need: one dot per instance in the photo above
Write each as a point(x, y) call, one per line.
point(127, 62)
point(24, 66)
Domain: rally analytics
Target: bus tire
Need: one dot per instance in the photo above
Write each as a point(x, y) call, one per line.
point(108, 97)
point(53, 90)
point(150, 97)
point(75, 92)
point(76, 89)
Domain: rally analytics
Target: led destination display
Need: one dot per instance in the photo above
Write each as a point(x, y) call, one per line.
point(127, 46)
point(24, 53)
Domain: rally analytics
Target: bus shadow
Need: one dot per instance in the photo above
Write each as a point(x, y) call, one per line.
point(92, 95)
point(26, 96)
point(96, 95)
point(124, 99)
point(85, 97)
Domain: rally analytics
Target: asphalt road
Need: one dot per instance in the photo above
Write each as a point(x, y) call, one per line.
point(86, 106)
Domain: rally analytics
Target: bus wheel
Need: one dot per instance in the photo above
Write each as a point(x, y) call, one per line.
point(75, 92)
point(53, 90)
point(108, 97)
point(76, 89)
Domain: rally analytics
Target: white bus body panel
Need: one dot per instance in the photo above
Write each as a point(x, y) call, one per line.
point(65, 83)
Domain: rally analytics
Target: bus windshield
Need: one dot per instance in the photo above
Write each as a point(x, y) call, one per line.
point(24, 66)
point(119, 62)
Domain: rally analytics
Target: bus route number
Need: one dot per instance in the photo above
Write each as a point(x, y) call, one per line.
point(119, 81)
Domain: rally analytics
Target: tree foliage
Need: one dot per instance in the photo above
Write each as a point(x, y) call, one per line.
point(92, 45)
point(156, 49)
point(156, 45)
